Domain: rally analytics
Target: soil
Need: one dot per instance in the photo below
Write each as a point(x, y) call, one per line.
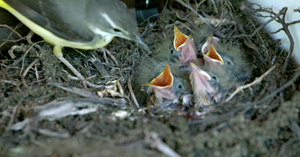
point(46, 112)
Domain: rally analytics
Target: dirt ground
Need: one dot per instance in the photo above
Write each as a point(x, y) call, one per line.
point(46, 112)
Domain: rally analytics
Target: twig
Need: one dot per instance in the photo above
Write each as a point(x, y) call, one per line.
point(131, 91)
point(27, 51)
point(286, 144)
point(288, 33)
point(29, 36)
point(78, 91)
point(12, 31)
point(289, 83)
point(53, 134)
point(9, 82)
point(26, 71)
point(99, 66)
point(194, 11)
point(154, 141)
point(257, 80)
point(165, 6)
point(295, 127)
point(13, 116)
point(285, 28)
point(258, 29)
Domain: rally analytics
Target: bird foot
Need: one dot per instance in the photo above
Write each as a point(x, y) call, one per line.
point(85, 81)
point(105, 51)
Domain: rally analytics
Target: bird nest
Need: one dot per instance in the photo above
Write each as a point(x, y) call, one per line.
point(43, 106)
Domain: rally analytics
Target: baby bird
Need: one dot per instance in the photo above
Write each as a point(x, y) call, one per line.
point(188, 53)
point(208, 75)
point(206, 88)
point(226, 72)
point(164, 80)
point(231, 67)
point(185, 46)
point(165, 86)
point(214, 59)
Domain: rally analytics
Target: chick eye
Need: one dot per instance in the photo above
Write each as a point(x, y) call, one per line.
point(214, 77)
point(172, 51)
point(179, 86)
point(227, 62)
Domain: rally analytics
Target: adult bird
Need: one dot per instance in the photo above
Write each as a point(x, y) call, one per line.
point(82, 24)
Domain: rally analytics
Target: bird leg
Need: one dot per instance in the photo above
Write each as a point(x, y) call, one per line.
point(76, 72)
point(58, 53)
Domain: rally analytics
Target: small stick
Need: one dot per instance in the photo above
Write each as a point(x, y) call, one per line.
point(26, 71)
point(257, 80)
point(154, 141)
point(131, 91)
point(193, 10)
point(287, 84)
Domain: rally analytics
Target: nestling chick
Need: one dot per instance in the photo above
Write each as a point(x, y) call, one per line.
point(188, 53)
point(206, 88)
point(165, 86)
point(230, 65)
point(165, 80)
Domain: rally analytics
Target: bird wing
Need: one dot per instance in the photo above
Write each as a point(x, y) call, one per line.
point(63, 18)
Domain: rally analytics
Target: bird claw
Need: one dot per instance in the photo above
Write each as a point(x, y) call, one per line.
point(105, 51)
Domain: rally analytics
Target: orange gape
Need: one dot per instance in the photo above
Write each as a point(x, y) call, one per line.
point(165, 79)
point(213, 54)
point(179, 38)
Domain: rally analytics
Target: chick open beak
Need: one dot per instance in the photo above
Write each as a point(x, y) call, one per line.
point(212, 40)
point(179, 38)
point(165, 79)
point(213, 56)
point(162, 85)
